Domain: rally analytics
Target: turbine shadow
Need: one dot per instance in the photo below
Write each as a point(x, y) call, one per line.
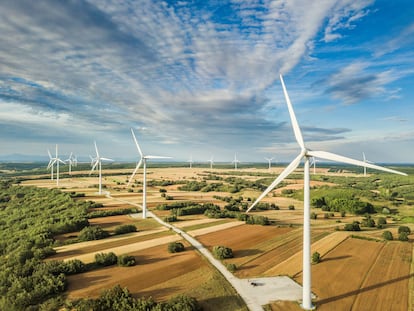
point(364, 289)
point(247, 252)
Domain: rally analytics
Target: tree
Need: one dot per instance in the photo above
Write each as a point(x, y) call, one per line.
point(92, 233)
point(316, 257)
point(106, 259)
point(125, 229)
point(403, 236)
point(126, 260)
point(175, 247)
point(222, 252)
point(352, 227)
point(387, 235)
point(404, 229)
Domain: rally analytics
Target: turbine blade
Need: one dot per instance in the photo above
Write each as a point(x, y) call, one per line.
point(295, 125)
point(96, 149)
point(286, 172)
point(135, 171)
point(136, 143)
point(337, 158)
point(156, 157)
point(106, 159)
point(50, 156)
point(94, 166)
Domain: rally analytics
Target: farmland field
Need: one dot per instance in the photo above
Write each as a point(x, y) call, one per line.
point(354, 273)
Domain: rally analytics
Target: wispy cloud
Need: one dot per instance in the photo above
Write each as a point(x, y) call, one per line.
point(186, 71)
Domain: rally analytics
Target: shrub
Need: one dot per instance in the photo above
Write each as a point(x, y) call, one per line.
point(352, 227)
point(231, 267)
point(291, 207)
point(381, 221)
point(125, 229)
point(404, 229)
point(313, 215)
point(175, 247)
point(387, 235)
point(343, 213)
point(257, 220)
point(106, 259)
point(92, 233)
point(222, 252)
point(170, 218)
point(316, 257)
point(126, 261)
point(386, 210)
point(403, 236)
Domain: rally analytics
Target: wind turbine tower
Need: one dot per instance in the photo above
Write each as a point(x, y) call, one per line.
point(54, 161)
point(305, 154)
point(143, 160)
point(97, 161)
point(270, 162)
point(191, 161)
point(211, 161)
point(235, 161)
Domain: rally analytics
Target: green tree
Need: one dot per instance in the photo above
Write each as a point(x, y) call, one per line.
point(387, 235)
point(316, 257)
point(175, 247)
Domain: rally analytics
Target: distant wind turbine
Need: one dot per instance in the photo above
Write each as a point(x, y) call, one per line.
point(191, 161)
point(54, 161)
point(143, 160)
point(211, 161)
point(71, 161)
point(305, 154)
point(366, 161)
point(235, 161)
point(97, 162)
point(313, 162)
point(270, 162)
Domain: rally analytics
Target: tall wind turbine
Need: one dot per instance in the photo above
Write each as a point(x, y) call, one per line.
point(235, 161)
point(97, 162)
point(143, 160)
point(54, 161)
point(305, 154)
point(270, 162)
point(211, 161)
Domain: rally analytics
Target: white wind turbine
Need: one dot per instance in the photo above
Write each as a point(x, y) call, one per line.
point(313, 162)
point(72, 162)
point(143, 160)
point(211, 161)
point(305, 154)
point(366, 161)
point(97, 161)
point(52, 162)
point(235, 161)
point(191, 161)
point(270, 162)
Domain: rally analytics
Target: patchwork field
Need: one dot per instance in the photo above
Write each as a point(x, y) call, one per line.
point(354, 274)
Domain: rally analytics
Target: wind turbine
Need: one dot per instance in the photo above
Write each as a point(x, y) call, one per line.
point(97, 161)
point(50, 165)
point(54, 161)
point(211, 161)
point(366, 161)
point(191, 161)
point(71, 161)
point(270, 162)
point(235, 161)
point(313, 162)
point(305, 154)
point(143, 160)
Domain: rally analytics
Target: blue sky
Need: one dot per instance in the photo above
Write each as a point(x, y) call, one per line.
point(202, 78)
